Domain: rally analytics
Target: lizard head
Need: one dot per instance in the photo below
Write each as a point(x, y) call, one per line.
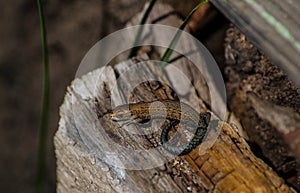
point(121, 113)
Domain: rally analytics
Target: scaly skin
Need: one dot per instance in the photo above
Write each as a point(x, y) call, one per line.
point(172, 110)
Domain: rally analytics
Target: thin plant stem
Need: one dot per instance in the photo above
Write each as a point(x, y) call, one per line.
point(134, 49)
point(169, 51)
point(41, 162)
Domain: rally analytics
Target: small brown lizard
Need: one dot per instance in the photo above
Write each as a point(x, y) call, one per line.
point(173, 110)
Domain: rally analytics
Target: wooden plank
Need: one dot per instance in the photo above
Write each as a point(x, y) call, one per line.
point(272, 26)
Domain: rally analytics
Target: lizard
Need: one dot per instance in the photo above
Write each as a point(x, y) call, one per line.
point(176, 112)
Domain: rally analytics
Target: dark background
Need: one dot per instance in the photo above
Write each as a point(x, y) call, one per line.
point(73, 27)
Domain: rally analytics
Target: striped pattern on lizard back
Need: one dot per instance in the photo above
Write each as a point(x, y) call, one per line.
point(175, 111)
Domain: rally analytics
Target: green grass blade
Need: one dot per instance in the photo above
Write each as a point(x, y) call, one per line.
point(172, 45)
point(134, 49)
point(41, 162)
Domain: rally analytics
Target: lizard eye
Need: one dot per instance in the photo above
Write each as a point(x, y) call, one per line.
point(112, 116)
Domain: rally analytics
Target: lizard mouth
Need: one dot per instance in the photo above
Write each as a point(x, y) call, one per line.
point(119, 117)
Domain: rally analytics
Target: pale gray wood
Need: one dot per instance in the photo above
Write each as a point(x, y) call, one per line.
point(82, 166)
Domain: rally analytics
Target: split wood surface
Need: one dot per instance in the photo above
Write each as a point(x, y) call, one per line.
point(228, 166)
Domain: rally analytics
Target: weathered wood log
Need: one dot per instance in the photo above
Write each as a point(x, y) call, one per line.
point(272, 26)
point(83, 164)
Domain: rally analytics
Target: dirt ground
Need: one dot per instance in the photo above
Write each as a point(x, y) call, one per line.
point(73, 28)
